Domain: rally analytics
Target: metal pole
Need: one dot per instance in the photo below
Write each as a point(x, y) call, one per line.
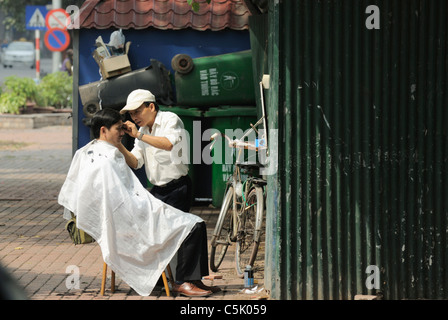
point(37, 36)
point(56, 55)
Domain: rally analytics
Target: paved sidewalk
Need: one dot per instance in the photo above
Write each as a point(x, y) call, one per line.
point(34, 245)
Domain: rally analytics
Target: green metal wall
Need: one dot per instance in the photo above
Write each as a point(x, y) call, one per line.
point(362, 119)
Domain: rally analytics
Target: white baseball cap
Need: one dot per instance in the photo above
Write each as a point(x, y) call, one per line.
point(136, 99)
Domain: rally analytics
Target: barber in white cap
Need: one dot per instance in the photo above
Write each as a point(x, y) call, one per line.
point(159, 132)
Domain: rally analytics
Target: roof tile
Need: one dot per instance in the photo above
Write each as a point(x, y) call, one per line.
point(164, 14)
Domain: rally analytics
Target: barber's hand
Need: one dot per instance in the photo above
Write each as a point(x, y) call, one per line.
point(130, 128)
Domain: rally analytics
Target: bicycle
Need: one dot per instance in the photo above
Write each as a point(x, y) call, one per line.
point(242, 212)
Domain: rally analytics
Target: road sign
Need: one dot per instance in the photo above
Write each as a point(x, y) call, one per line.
point(57, 39)
point(35, 17)
point(57, 19)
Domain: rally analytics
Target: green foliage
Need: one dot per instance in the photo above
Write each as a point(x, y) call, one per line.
point(15, 12)
point(11, 103)
point(55, 89)
point(195, 5)
point(25, 87)
point(16, 92)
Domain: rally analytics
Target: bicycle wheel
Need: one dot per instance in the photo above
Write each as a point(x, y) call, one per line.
point(249, 233)
point(222, 233)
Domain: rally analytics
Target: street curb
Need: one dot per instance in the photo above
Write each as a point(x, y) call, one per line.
point(34, 121)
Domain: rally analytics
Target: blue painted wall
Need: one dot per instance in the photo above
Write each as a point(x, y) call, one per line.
point(148, 44)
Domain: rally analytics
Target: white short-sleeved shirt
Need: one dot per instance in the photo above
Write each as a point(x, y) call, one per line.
point(162, 166)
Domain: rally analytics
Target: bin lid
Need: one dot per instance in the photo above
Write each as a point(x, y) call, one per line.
point(231, 111)
point(182, 111)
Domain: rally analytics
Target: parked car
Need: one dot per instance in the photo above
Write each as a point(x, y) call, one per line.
point(19, 53)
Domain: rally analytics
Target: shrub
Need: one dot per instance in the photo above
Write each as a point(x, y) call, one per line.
point(11, 103)
point(55, 89)
point(15, 93)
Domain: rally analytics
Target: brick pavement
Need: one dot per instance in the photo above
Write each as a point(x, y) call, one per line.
point(35, 247)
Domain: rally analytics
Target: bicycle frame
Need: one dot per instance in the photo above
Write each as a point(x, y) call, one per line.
point(236, 176)
point(242, 229)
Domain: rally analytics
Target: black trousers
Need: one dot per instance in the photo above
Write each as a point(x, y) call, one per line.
point(192, 256)
point(176, 193)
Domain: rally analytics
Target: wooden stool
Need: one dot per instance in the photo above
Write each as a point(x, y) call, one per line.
point(112, 280)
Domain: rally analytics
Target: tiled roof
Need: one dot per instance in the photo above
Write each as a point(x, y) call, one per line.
point(164, 14)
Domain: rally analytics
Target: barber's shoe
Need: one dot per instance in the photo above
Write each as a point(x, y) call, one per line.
point(201, 285)
point(190, 290)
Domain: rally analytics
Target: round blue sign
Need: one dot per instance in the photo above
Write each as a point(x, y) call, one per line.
point(57, 39)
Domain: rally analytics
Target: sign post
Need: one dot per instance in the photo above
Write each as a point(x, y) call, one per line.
point(35, 20)
point(37, 36)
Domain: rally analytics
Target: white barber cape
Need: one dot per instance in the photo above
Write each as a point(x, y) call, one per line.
point(138, 234)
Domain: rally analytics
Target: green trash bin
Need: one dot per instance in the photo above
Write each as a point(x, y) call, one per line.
point(188, 117)
point(215, 80)
point(233, 121)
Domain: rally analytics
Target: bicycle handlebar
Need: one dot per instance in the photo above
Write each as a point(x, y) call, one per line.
point(238, 144)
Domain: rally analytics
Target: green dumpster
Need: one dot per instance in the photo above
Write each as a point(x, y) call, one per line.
point(215, 80)
point(232, 121)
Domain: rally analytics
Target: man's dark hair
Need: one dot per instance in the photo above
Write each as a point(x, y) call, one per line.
point(106, 117)
point(147, 103)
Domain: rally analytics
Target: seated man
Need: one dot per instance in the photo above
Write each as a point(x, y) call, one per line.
point(138, 234)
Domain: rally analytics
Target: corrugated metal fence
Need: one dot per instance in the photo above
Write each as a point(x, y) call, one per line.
point(362, 118)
